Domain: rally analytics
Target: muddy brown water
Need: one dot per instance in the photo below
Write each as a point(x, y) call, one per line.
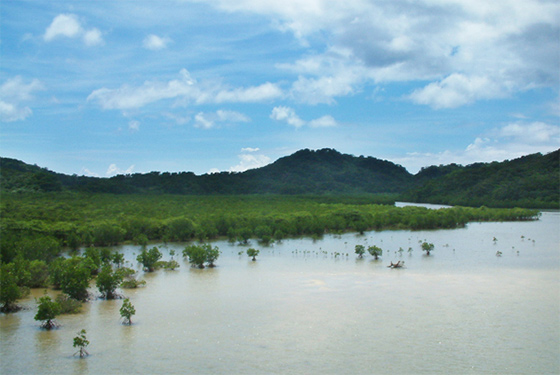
point(303, 309)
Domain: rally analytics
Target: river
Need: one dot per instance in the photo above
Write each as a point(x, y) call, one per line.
point(312, 307)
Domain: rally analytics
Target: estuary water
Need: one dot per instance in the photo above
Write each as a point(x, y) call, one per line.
point(312, 307)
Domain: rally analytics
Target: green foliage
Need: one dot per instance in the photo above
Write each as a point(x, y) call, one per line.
point(375, 251)
point(251, 252)
point(129, 279)
point(10, 292)
point(81, 342)
point(47, 310)
point(132, 283)
point(39, 274)
point(171, 265)
point(68, 305)
point(127, 310)
point(108, 281)
point(75, 275)
point(200, 254)
point(529, 181)
point(118, 259)
point(360, 250)
point(427, 247)
point(149, 258)
point(42, 222)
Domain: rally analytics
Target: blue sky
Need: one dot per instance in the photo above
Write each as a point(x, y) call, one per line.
point(105, 87)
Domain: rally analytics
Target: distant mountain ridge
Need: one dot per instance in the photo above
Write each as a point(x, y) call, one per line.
point(529, 181)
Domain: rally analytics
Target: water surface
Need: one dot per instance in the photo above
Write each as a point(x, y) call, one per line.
point(303, 309)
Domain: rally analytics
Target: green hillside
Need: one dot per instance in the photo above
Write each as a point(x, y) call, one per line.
point(529, 181)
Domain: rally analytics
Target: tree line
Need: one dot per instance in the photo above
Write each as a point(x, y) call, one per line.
point(530, 181)
point(39, 227)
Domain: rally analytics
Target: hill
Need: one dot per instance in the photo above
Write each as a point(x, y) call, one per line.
point(529, 181)
point(324, 171)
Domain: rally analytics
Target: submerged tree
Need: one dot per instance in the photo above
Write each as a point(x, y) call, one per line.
point(81, 342)
point(253, 253)
point(127, 310)
point(427, 247)
point(200, 254)
point(149, 258)
point(75, 277)
point(375, 251)
point(10, 292)
point(47, 311)
point(360, 250)
point(212, 254)
point(196, 255)
point(108, 281)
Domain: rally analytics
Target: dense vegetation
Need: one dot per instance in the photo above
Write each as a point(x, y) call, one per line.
point(532, 181)
point(38, 226)
point(43, 213)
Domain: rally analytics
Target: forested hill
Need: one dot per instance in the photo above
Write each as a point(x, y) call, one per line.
point(323, 171)
point(529, 181)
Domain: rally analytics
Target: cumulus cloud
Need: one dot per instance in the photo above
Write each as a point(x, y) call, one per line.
point(507, 142)
point(185, 89)
point(68, 25)
point(288, 115)
point(456, 90)
point(93, 37)
point(154, 42)
point(466, 50)
point(211, 120)
point(13, 93)
point(249, 159)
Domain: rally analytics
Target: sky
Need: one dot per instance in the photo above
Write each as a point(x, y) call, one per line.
point(99, 88)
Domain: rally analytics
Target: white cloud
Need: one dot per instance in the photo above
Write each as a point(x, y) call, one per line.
point(289, 115)
point(250, 161)
point(184, 90)
point(210, 120)
point(134, 125)
point(231, 116)
point(13, 93)
point(467, 50)
point(508, 142)
point(202, 121)
point(93, 37)
point(323, 122)
point(250, 149)
point(68, 25)
point(264, 92)
point(456, 90)
point(532, 133)
point(154, 42)
point(114, 170)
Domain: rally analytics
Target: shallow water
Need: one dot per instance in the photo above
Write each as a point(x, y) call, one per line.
point(301, 309)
